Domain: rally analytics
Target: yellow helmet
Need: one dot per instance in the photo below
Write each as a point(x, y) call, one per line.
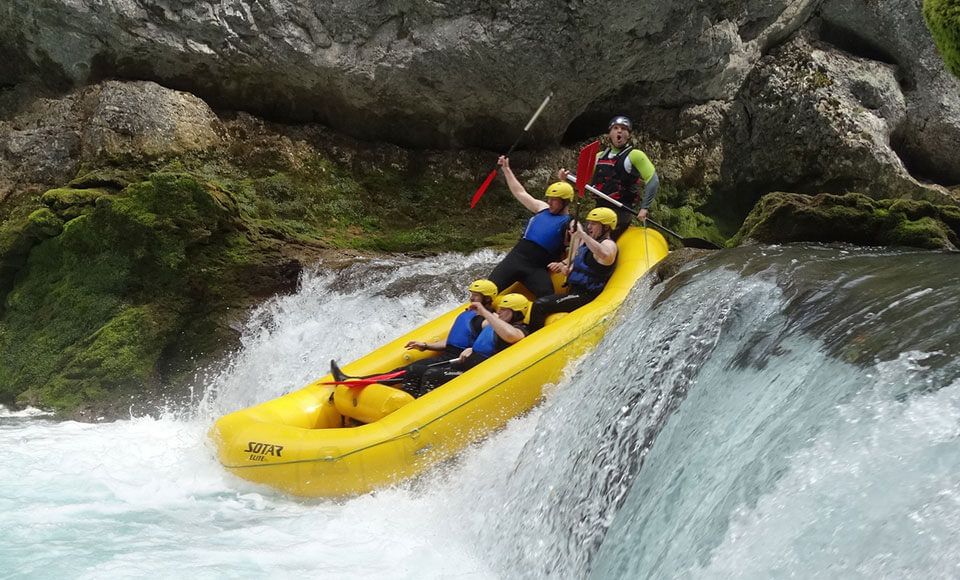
point(560, 189)
point(603, 215)
point(484, 287)
point(517, 303)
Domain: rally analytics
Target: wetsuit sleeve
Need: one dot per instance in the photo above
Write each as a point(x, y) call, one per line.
point(650, 190)
point(641, 163)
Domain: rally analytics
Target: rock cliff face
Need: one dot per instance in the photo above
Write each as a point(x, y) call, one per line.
point(442, 72)
point(856, 86)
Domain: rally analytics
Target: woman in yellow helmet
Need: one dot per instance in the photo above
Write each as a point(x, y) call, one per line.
point(544, 238)
point(594, 258)
point(500, 329)
point(466, 326)
point(465, 330)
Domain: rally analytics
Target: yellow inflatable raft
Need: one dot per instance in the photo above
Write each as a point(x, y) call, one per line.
point(326, 441)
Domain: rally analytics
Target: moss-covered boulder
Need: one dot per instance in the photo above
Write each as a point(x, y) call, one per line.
point(943, 20)
point(110, 281)
point(782, 217)
point(18, 234)
point(675, 210)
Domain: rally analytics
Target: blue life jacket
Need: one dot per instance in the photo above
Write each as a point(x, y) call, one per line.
point(462, 333)
point(588, 273)
point(489, 343)
point(547, 230)
point(486, 343)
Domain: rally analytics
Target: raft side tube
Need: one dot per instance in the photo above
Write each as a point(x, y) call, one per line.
point(321, 459)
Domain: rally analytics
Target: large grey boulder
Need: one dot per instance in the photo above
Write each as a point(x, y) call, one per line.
point(894, 31)
point(48, 139)
point(40, 143)
point(842, 111)
point(143, 119)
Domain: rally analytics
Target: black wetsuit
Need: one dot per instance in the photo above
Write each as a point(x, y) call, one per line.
point(586, 282)
point(457, 342)
point(438, 375)
point(542, 243)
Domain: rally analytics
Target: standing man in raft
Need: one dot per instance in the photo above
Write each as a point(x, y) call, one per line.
point(618, 171)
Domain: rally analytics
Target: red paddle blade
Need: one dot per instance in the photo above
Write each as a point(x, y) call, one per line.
point(483, 188)
point(585, 164)
point(387, 376)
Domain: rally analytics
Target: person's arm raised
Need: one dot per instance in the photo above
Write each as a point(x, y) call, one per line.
point(516, 188)
point(504, 329)
point(604, 252)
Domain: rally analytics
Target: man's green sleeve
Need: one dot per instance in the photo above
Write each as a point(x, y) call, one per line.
point(642, 163)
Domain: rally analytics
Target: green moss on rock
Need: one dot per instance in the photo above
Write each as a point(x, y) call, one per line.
point(94, 306)
point(18, 235)
point(926, 232)
point(120, 357)
point(855, 218)
point(687, 222)
point(943, 20)
point(45, 222)
point(109, 178)
point(391, 209)
point(674, 209)
point(70, 203)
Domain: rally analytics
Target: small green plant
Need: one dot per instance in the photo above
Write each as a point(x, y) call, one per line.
point(820, 80)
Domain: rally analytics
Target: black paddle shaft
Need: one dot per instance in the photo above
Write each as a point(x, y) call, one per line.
point(689, 242)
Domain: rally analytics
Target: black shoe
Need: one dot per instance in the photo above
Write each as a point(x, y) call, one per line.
point(336, 372)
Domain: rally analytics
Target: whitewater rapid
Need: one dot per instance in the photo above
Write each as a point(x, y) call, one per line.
point(146, 496)
point(770, 412)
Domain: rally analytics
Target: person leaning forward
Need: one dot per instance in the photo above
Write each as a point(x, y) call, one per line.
point(466, 327)
point(501, 329)
point(543, 239)
point(594, 259)
point(464, 331)
point(618, 171)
